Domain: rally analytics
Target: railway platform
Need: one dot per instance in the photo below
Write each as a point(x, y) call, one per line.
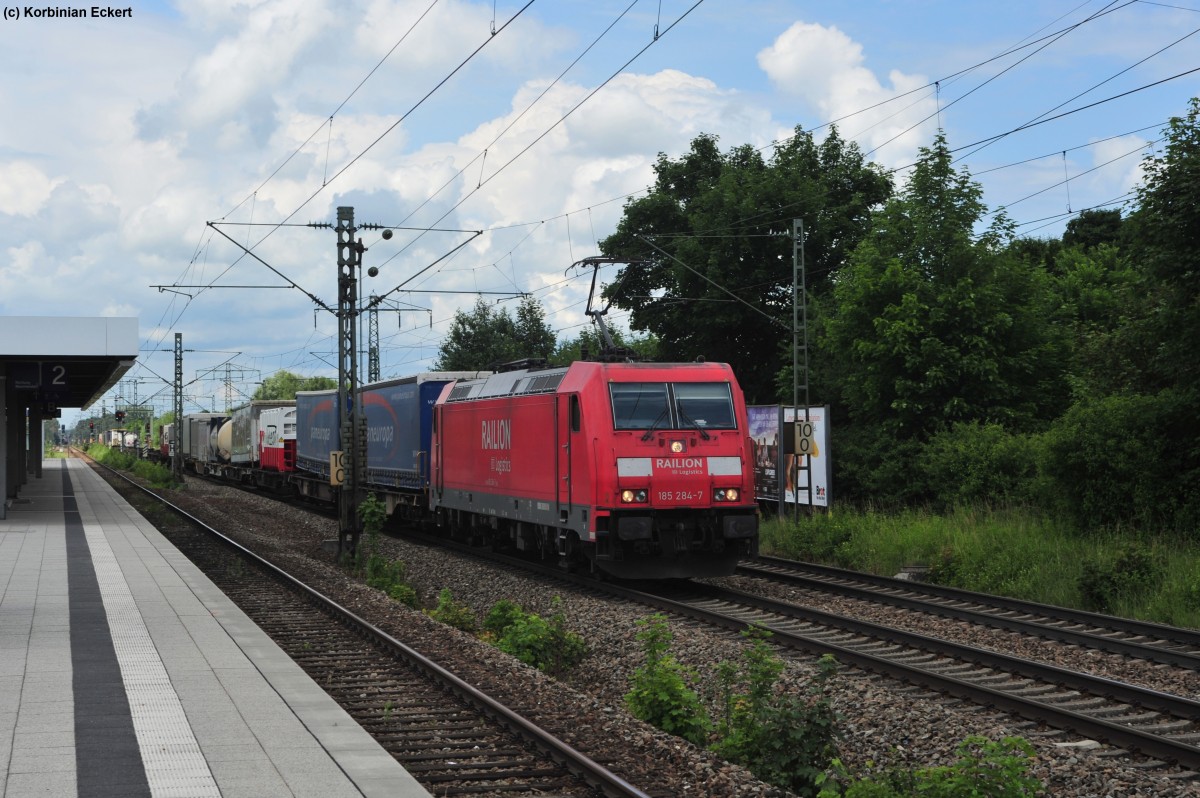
point(125, 672)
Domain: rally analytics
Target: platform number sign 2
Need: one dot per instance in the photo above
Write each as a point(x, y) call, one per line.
point(805, 437)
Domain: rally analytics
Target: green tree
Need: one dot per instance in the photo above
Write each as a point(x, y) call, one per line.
point(588, 340)
point(483, 337)
point(285, 384)
point(534, 337)
point(1137, 371)
point(1164, 231)
point(1092, 228)
point(939, 325)
point(51, 432)
point(931, 324)
point(1102, 308)
point(714, 249)
point(1039, 251)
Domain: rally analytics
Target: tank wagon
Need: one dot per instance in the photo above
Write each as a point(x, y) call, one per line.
point(200, 433)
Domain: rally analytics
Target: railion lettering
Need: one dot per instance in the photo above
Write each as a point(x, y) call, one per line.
point(678, 462)
point(497, 433)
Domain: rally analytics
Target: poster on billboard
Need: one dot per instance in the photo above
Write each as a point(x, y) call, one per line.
point(813, 433)
point(778, 471)
point(764, 433)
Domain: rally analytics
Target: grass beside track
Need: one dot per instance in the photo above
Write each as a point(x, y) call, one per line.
point(157, 475)
point(1009, 552)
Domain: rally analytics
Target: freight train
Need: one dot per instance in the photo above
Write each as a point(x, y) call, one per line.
point(634, 470)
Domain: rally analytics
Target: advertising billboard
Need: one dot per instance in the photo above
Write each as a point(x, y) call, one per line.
point(778, 470)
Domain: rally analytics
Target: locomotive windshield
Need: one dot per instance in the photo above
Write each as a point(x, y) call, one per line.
point(675, 405)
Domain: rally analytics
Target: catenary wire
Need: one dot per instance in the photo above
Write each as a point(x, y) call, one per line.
point(577, 211)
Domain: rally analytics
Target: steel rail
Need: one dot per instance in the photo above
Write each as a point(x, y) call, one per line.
point(906, 595)
point(1127, 737)
point(1113, 733)
point(1116, 734)
point(1185, 638)
point(590, 771)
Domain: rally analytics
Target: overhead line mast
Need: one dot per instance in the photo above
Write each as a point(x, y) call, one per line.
point(351, 421)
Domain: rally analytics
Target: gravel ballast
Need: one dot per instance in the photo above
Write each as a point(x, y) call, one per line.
point(882, 723)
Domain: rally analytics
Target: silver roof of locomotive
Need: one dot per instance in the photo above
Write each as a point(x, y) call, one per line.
point(508, 383)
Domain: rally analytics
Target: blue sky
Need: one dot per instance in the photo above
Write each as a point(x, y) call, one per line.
point(121, 139)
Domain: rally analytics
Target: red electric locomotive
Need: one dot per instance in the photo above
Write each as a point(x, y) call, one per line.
point(642, 470)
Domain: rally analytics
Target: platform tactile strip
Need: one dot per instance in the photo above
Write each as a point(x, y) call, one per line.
point(172, 758)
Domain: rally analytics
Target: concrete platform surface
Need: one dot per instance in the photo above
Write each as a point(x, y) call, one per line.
point(125, 672)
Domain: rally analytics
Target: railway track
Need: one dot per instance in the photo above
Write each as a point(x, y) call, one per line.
point(1154, 725)
point(453, 738)
point(1130, 719)
point(1167, 645)
point(1163, 727)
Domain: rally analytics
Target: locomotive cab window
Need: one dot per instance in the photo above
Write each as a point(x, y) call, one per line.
point(680, 405)
point(639, 405)
point(707, 405)
point(576, 414)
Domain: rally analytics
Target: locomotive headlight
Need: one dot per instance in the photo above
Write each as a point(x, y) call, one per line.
point(726, 494)
point(678, 447)
point(633, 496)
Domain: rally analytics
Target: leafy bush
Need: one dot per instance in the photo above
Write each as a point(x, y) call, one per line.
point(784, 739)
point(158, 475)
point(382, 573)
point(1001, 571)
point(660, 694)
point(993, 769)
point(973, 463)
point(404, 593)
point(546, 645)
point(373, 514)
point(1135, 571)
point(1125, 459)
point(453, 613)
point(390, 576)
point(817, 538)
point(984, 769)
point(503, 614)
point(1191, 594)
point(875, 466)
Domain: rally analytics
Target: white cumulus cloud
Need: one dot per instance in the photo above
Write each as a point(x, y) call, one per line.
point(827, 70)
point(24, 188)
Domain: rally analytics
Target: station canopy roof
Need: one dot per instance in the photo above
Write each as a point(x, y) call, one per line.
point(67, 361)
